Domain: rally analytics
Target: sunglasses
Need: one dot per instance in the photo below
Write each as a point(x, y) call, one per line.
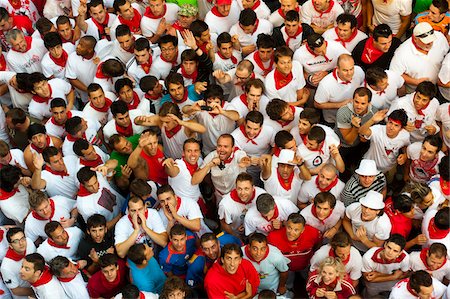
point(423, 35)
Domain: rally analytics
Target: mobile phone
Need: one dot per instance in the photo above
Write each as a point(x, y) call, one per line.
point(206, 108)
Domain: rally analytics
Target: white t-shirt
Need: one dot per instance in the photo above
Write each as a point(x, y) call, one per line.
point(278, 126)
point(57, 130)
point(161, 69)
point(226, 64)
point(17, 158)
point(51, 289)
point(181, 183)
point(218, 24)
point(15, 206)
point(260, 8)
point(331, 34)
point(310, 189)
point(262, 27)
point(150, 25)
point(323, 19)
point(418, 261)
point(29, 61)
point(70, 250)
point(390, 13)
point(18, 99)
point(92, 28)
point(255, 147)
point(429, 215)
point(91, 113)
point(276, 186)
point(75, 288)
point(82, 69)
point(383, 99)
point(66, 186)
point(401, 290)
point(421, 174)
point(173, 146)
point(288, 92)
point(444, 76)
point(372, 261)
point(443, 116)
point(110, 128)
point(323, 225)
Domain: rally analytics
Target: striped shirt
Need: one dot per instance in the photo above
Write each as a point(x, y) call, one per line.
point(353, 191)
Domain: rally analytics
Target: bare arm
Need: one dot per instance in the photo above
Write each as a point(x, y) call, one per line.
point(349, 135)
point(37, 183)
point(21, 291)
point(266, 166)
point(405, 22)
point(200, 174)
point(171, 167)
point(78, 84)
point(81, 18)
point(70, 99)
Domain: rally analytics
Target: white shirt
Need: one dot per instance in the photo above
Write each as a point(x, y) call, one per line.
point(260, 67)
point(384, 99)
point(181, 183)
point(149, 25)
point(136, 71)
point(29, 61)
point(380, 227)
point(173, 146)
point(309, 190)
point(218, 24)
point(274, 185)
point(51, 289)
point(262, 10)
point(17, 158)
point(419, 174)
point(257, 146)
point(161, 68)
point(16, 207)
point(70, 250)
point(124, 228)
point(323, 19)
point(75, 288)
point(332, 89)
point(408, 60)
point(418, 261)
point(277, 126)
point(315, 158)
point(91, 113)
point(51, 69)
point(57, 130)
point(429, 215)
point(352, 267)
point(35, 228)
point(254, 221)
point(390, 13)
point(91, 136)
point(241, 107)
point(438, 200)
point(110, 128)
point(384, 150)
point(226, 64)
point(18, 99)
point(369, 265)
point(289, 92)
point(62, 185)
point(420, 121)
point(263, 27)
point(443, 116)
point(323, 225)
point(331, 34)
point(82, 69)
point(444, 76)
point(400, 290)
point(92, 28)
point(313, 63)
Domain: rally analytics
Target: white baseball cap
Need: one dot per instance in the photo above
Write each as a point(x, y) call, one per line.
point(424, 32)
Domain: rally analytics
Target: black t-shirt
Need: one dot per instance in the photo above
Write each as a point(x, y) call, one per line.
point(384, 61)
point(86, 244)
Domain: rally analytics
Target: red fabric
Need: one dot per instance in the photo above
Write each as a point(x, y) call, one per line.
point(101, 27)
point(377, 258)
point(69, 116)
point(135, 102)
point(330, 7)
point(423, 257)
point(298, 251)
point(2, 63)
point(52, 206)
point(23, 23)
point(417, 46)
point(243, 98)
point(282, 80)
point(156, 170)
point(68, 279)
point(217, 280)
point(286, 185)
point(233, 59)
point(250, 257)
point(105, 108)
point(45, 278)
point(331, 186)
point(216, 12)
point(436, 233)
point(299, 31)
point(192, 76)
point(252, 140)
point(333, 254)
point(335, 75)
point(29, 42)
point(231, 157)
point(83, 191)
point(146, 66)
point(315, 55)
point(92, 163)
point(99, 74)
point(40, 99)
point(52, 243)
point(280, 11)
point(370, 54)
point(275, 215)
point(11, 254)
point(400, 223)
point(54, 172)
point(235, 197)
point(256, 5)
point(260, 63)
point(346, 284)
point(127, 132)
point(40, 150)
point(173, 131)
point(285, 123)
point(191, 168)
point(134, 24)
point(4, 195)
point(445, 186)
point(149, 14)
point(98, 286)
point(145, 214)
point(343, 42)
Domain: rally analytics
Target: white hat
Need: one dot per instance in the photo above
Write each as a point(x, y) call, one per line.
point(367, 167)
point(286, 157)
point(373, 200)
point(424, 32)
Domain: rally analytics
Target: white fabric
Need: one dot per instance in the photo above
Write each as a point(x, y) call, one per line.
point(323, 225)
point(390, 12)
point(49, 252)
point(289, 92)
point(29, 61)
point(309, 190)
point(400, 290)
point(16, 207)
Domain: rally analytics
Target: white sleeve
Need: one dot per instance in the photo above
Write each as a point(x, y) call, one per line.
point(71, 70)
point(322, 94)
point(10, 278)
point(223, 213)
point(120, 234)
point(367, 264)
point(405, 7)
point(157, 223)
point(249, 225)
point(383, 228)
point(404, 266)
point(397, 63)
point(194, 211)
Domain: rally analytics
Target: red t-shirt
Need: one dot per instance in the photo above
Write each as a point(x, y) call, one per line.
point(299, 251)
point(400, 223)
point(217, 280)
point(98, 286)
point(156, 171)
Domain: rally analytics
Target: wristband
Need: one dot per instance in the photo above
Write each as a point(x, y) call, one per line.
point(301, 164)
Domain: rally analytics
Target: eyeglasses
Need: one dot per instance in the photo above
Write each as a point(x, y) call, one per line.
point(423, 35)
point(242, 78)
point(17, 241)
point(171, 49)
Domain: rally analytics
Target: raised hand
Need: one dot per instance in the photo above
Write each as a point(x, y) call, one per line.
point(379, 115)
point(145, 140)
point(38, 161)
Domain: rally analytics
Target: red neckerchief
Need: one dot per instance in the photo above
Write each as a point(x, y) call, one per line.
point(216, 12)
point(282, 80)
point(101, 27)
point(276, 151)
point(343, 42)
point(330, 7)
point(243, 98)
point(127, 132)
point(254, 29)
point(192, 76)
point(408, 285)
point(191, 168)
point(378, 92)
point(252, 140)
point(73, 138)
point(92, 163)
point(6, 195)
point(38, 217)
point(40, 150)
point(185, 97)
point(227, 161)
point(436, 233)
point(152, 97)
point(423, 257)
point(141, 295)
point(260, 63)
point(16, 5)
point(337, 79)
point(428, 167)
point(68, 40)
point(304, 138)
point(45, 278)
point(331, 186)
point(145, 214)
point(315, 55)
point(202, 47)
point(370, 54)
point(285, 123)
point(146, 66)
point(135, 102)
point(178, 203)
point(283, 15)
point(235, 197)
point(67, 279)
point(320, 150)
point(333, 254)
point(249, 255)
point(256, 5)
point(233, 59)
point(2, 233)
point(314, 213)
point(69, 116)
point(276, 213)
point(53, 244)
point(134, 24)
point(11, 254)
point(420, 112)
point(54, 172)
point(377, 259)
point(29, 41)
point(445, 186)
point(417, 47)
point(83, 191)
point(99, 74)
point(149, 14)
point(105, 107)
point(178, 26)
point(286, 185)
point(299, 31)
point(2, 63)
point(173, 131)
point(174, 62)
point(40, 99)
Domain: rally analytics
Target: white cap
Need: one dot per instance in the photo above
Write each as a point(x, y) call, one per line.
point(367, 167)
point(424, 32)
point(373, 200)
point(286, 157)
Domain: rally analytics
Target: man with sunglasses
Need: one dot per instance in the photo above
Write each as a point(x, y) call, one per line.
point(420, 57)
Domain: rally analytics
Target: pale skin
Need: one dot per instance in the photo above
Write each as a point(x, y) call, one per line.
point(361, 234)
point(190, 127)
point(28, 154)
point(171, 213)
point(217, 109)
point(266, 167)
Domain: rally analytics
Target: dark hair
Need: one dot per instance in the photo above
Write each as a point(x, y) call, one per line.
point(73, 125)
point(314, 41)
point(43, 25)
point(223, 38)
point(95, 220)
point(402, 203)
point(283, 51)
point(434, 140)
point(49, 152)
point(265, 203)
point(177, 230)
point(172, 284)
point(192, 140)
point(108, 259)
point(214, 91)
point(267, 294)
point(80, 145)
point(35, 129)
point(9, 175)
point(275, 108)
point(442, 5)
point(230, 247)
point(165, 188)
point(255, 117)
point(165, 39)
point(323, 197)
point(317, 134)
point(256, 83)
point(443, 168)
point(292, 16)
point(37, 197)
point(136, 253)
point(382, 30)
point(244, 176)
point(208, 237)
point(36, 77)
point(397, 239)
point(257, 237)
point(13, 231)
point(419, 279)
point(119, 107)
point(118, 3)
point(89, 39)
point(282, 137)
point(147, 83)
point(37, 260)
point(438, 249)
point(228, 136)
point(85, 174)
point(347, 18)
point(441, 219)
point(51, 40)
point(57, 102)
point(427, 89)
point(17, 116)
point(140, 188)
point(247, 17)
point(51, 227)
point(4, 14)
point(399, 115)
point(340, 239)
point(311, 115)
point(135, 199)
point(189, 55)
point(265, 41)
point(296, 218)
point(122, 29)
point(374, 75)
point(363, 92)
point(63, 20)
point(170, 108)
point(198, 27)
point(130, 291)
point(95, 3)
point(112, 67)
point(142, 44)
point(174, 78)
point(57, 264)
point(121, 83)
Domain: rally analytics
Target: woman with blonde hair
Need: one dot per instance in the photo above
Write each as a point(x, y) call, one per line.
point(330, 281)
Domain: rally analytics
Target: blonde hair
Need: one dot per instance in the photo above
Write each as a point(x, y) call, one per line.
point(419, 191)
point(334, 262)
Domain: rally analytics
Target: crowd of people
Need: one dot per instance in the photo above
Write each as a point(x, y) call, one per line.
point(224, 149)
